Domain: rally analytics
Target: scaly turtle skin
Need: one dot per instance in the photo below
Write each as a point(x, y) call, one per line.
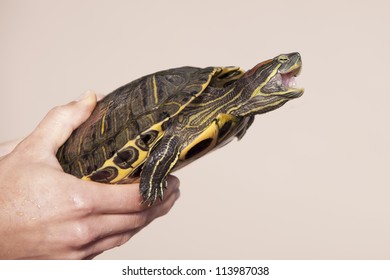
point(163, 121)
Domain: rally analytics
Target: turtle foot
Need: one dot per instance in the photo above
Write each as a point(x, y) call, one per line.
point(150, 193)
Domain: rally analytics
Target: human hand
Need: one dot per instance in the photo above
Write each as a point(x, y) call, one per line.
point(7, 147)
point(48, 214)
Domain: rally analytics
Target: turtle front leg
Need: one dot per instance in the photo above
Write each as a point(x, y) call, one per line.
point(157, 167)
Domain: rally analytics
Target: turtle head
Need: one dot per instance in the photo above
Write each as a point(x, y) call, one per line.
point(270, 84)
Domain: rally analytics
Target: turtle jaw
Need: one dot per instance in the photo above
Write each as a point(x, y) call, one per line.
point(286, 80)
point(283, 84)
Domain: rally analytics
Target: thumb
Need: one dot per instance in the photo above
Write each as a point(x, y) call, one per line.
point(60, 122)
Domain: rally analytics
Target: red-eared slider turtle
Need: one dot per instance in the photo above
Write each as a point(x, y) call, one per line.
point(163, 121)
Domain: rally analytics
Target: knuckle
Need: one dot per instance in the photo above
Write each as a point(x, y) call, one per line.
point(57, 110)
point(82, 203)
point(81, 235)
point(139, 220)
point(122, 239)
point(60, 111)
point(26, 149)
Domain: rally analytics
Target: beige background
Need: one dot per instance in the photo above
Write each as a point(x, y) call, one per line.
point(309, 180)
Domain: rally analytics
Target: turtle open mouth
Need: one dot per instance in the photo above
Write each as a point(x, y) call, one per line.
point(287, 80)
point(284, 83)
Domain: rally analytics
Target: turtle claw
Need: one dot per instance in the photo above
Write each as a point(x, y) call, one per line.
point(151, 193)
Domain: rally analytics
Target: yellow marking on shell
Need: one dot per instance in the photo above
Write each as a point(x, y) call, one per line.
point(224, 118)
point(150, 118)
point(123, 173)
point(210, 132)
point(80, 143)
point(103, 122)
point(220, 82)
point(80, 167)
point(155, 93)
point(211, 75)
point(104, 153)
point(114, 118)
point(203, 87)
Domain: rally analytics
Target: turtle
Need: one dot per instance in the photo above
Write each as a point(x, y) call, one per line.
point(161, 122)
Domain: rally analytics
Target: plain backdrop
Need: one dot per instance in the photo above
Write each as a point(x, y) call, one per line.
point(308, 181)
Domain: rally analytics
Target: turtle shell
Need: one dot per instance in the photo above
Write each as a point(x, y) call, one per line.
point(115, 140)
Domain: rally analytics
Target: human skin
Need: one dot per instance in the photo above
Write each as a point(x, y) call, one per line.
point(48, 214)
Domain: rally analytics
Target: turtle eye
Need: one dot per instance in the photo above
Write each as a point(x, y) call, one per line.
point(283, 58)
